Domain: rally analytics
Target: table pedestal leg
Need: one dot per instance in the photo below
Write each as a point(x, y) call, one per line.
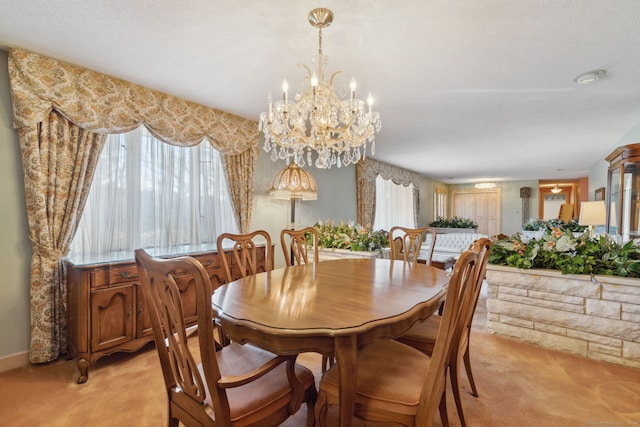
point(346, 357)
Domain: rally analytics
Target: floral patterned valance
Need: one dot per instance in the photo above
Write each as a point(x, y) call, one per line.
point(105, 104)
point(370, 169)
point(366, 173)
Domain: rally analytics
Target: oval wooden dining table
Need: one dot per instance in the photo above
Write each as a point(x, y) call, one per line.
point(330, 307)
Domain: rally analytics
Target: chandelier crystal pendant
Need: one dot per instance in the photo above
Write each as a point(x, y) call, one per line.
point(317, 120)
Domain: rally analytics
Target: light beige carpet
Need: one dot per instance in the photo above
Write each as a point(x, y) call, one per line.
point(519, 385)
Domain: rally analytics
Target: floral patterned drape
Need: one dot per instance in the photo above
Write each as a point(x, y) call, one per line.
point(241, 167)
point(59, 161)
point(366, 173)
point(46, 90)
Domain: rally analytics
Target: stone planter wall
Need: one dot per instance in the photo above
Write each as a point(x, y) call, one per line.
point(327, 254)
point(597, 318)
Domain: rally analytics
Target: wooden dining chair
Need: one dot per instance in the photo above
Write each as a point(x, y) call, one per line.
point(245, 257)
point(238, 385)
point(296, 251)
point(397, 384)
point(423, 335)
point(411, 243)
point(244, 253)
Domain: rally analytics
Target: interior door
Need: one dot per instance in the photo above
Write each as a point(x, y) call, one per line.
point(481, 205)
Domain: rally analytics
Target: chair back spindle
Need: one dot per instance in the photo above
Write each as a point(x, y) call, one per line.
point(410, 244)
point(244, 252)
point(296, 252)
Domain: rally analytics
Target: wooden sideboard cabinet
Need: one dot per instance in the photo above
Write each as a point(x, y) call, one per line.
point(106, 309)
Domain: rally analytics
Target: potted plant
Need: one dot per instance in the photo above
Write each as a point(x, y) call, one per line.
point(443, 225)
point(561, 250)
point(347, 237)
point(536, 228)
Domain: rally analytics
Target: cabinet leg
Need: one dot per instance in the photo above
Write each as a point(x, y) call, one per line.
point(83, 366)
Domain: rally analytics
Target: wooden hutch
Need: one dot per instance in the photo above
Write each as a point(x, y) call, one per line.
point(623, 192)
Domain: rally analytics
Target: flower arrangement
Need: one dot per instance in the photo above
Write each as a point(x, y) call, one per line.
point(350, 236)
point(542, 225)
point(560, 249)
point(455, 222)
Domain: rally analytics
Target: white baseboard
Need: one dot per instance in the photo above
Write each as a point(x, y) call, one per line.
point(14, 361)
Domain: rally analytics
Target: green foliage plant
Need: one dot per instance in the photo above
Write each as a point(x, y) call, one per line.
point(455, 222)
point(547, 226)
point(347, 235)
point(561, 250)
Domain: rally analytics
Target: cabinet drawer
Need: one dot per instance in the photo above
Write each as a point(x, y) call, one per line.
point(114, 275)
point(209, 261)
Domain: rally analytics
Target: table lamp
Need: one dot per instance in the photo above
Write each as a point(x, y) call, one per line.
point(592, 214)
point(295, 184)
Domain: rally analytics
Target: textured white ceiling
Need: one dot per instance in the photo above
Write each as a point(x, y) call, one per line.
point(467, 90)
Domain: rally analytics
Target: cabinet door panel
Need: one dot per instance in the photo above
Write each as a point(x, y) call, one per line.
point(111, 317)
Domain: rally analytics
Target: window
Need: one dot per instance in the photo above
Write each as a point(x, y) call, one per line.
point(394, 205)
point(147, 193)
point(439, 202)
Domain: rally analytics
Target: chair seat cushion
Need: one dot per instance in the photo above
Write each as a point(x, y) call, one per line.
point(426, 330)
point(249, 399)
point(393, 387)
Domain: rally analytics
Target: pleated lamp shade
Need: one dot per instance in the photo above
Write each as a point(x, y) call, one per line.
point(293, 182)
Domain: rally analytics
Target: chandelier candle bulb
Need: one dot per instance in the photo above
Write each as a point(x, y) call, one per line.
point(285, 89)
point(314, 86)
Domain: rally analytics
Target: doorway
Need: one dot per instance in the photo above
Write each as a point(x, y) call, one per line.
point(552, 197)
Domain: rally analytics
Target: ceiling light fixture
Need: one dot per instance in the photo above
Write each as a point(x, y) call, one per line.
point(485, 185)
point(556, 189)
point(589, 77)
point(337, 130)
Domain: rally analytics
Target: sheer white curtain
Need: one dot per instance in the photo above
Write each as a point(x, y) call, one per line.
point(147, 193)
point(394, 205)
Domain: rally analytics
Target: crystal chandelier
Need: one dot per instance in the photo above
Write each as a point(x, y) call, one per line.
point(338, 130)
